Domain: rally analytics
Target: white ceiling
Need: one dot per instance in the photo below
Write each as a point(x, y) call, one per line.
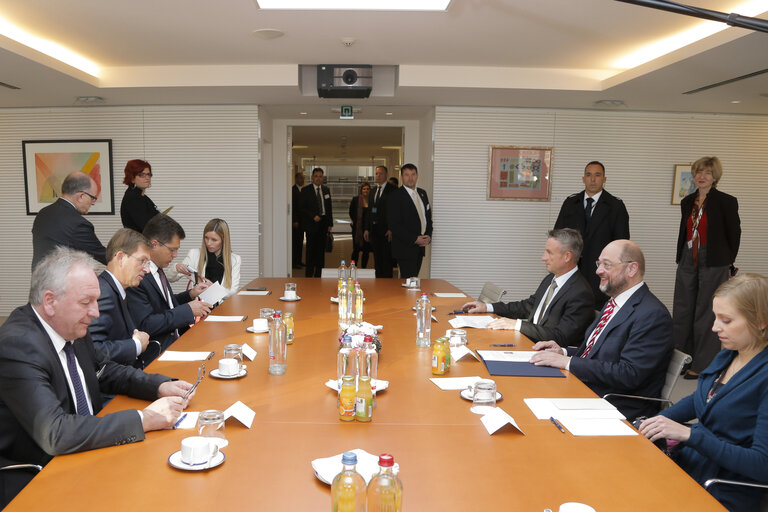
point(530, 53)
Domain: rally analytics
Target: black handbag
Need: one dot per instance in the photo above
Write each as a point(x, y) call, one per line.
point(329, 242)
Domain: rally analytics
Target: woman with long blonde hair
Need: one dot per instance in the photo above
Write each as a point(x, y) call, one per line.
point(214, 260)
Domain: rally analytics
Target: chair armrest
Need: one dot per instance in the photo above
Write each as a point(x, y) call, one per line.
point(713, 481)
point(33, 467)
point(662, 400)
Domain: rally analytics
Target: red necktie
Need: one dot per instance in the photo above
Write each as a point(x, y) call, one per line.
point(603, 320)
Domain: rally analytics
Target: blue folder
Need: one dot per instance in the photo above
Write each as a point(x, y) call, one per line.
point(517, 369)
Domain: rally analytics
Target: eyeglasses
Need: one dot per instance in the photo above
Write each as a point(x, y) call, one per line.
point(607, 265)
point(144, 175)
point(142, 261)
point(174, 250)
point(93, 198)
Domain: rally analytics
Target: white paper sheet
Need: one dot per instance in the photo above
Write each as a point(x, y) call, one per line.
point(177, 355)
point(449, 295)
point(379, 384)
point(327, 468)
point(248, 351)
point(224, 318)
point(214, 294)
point(518, 356)
point(454, 383)
point(583, 403)
point(496, 419)
point(253, 292)
point(189, 421)
point(476, 321)
point(240, 412)
point(458, 352)
point(543, 409)
point(597, 427)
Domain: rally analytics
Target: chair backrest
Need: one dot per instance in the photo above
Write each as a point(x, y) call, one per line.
point(676, 363)
point(491, 293)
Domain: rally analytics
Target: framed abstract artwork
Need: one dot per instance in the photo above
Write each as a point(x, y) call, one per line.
point(48, 162)
point(682, 183)
point(520, 173)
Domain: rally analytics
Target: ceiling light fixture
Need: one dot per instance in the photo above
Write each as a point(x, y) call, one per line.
point(48, 48)
point(702, 30)
point(355, 5)
point(388, 113)
point(268, 33)
point(303, 113)
point(89, 100)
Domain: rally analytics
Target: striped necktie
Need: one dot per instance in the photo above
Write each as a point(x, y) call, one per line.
point(80, 402)
point(603, 320)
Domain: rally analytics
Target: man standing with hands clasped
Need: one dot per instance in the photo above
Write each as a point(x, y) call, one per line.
point(627, 349)
point(317, 218)
point(409, 216)
point(377, 230)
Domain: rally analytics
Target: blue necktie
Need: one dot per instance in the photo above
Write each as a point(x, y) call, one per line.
point(82, 403)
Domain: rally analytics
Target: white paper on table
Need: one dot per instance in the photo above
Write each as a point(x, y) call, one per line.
point(598, 427)
point(224, 318)
point(454, 383)
point(240, 412)
point(178, 355)
point(327, 468)
point(254, 292)
point(476, 321)
point(449, 295)
point(189, 421)
point(498, 418)
point(583, 403)
point(378, 384)
point(544, 408)
point(517, 356)
point(248, 351)
point(461, 351)
point(214, 294)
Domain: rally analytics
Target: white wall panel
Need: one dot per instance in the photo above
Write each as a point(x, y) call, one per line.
point(478, 240)
point(204, 161)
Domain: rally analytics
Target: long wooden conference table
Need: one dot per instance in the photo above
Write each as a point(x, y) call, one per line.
point(447, 459)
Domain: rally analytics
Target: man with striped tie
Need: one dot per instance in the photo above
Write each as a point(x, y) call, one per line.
point(627, 349)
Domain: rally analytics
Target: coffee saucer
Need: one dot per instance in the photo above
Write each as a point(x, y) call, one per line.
point(217, 375)
point(254, 331)
point(286, 299)
point(467, 395)
point(175, 461)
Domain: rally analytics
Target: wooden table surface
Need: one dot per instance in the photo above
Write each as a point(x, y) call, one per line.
point(448, 462)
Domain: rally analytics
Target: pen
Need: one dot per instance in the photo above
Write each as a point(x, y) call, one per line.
point(557, 424)
point(245, 318)
point(181, 418)
point(457, 312)
point(210, 356)
point(503, 345)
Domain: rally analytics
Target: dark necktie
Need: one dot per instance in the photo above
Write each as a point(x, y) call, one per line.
point(588, 211)
point(81, 402)
point(378, 196)
point(166, 287)
point(603, 320)
point(319, 201)
point(550, 292)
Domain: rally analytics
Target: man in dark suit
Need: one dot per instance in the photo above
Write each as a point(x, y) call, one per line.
point(409, 217)
point(600, 218)
point(627, 349)
point(114, 331)
point(52, 376)
point(561, 307)
point(377, 230)
point(297, 231)
point(153, 305)
point(317, 218)
point(62, 223)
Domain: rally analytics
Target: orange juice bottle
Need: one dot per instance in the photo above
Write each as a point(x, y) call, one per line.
point(347, 399)
point(364, 400)
point(446, 341)
point(438, 358)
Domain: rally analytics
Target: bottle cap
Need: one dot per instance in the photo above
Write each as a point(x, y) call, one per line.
point(349, 458)
point(347, 339)
point(357, 282)
point(386, 460)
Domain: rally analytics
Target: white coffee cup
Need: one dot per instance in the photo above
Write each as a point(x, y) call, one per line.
point(260, 324)
point(198, 450)
point(229, 366)
point(572, 506)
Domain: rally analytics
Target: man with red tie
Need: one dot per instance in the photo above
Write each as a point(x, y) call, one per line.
point(153, 305)
point(627, 348)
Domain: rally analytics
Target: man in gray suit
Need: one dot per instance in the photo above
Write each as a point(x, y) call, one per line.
point(561, 307)
point(52, 377)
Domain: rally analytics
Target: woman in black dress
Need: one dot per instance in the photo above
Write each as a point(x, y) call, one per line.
point(137, 208)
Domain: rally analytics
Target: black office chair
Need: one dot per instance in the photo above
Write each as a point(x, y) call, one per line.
point(721, 481)
point(13, 478)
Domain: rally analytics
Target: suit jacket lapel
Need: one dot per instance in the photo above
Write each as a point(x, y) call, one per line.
point(618, 318)
point(127, 319)
point(560, 294)
point(86, 361)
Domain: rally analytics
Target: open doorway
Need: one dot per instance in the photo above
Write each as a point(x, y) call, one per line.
point(348, 156)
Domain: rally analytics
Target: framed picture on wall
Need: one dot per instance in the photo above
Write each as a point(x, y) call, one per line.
point(48, 162)
point(520, 173)
point(683, 183)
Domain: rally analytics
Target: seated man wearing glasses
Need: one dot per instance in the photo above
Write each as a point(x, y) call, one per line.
point(114, 331)
point(62, 223)
point(627, 349)
point(153, 305)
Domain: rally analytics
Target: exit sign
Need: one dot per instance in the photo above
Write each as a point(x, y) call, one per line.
point(347, 112)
